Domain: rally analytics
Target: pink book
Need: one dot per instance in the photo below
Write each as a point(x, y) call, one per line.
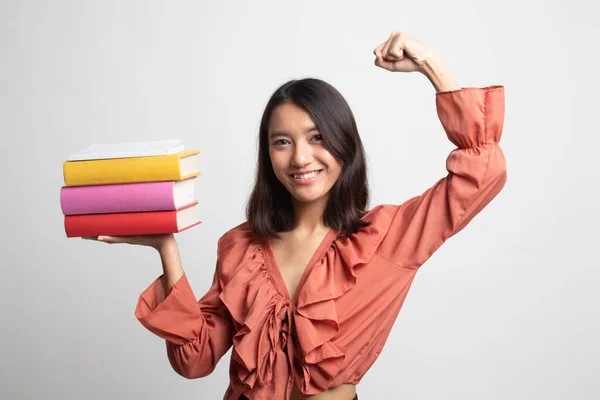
point(128, 197)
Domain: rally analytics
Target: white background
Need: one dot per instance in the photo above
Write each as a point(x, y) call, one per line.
point(508, 308)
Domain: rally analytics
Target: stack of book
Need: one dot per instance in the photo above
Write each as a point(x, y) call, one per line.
point(130, 189)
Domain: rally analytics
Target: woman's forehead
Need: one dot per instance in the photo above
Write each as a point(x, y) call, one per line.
point(289, 117)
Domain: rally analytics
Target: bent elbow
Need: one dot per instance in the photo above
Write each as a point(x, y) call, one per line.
point(190, 364)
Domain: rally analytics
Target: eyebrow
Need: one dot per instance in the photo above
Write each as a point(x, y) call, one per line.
point(285, 134)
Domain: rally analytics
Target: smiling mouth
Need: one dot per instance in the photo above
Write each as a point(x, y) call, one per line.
point(308, 175)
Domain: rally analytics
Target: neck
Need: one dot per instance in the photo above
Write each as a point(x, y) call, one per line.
point(309, 216)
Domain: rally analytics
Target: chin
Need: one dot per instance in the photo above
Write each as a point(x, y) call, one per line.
point(308, 198)
point(305, 200)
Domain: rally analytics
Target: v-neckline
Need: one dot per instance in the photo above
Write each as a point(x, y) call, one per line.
point(273, 267)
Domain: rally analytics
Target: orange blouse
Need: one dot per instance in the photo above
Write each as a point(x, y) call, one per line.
point(352, 290)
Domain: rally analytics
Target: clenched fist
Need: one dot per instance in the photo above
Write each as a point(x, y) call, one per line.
point(401, 53)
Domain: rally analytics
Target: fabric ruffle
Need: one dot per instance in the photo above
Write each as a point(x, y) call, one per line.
point(317, 316)
point(262, 347)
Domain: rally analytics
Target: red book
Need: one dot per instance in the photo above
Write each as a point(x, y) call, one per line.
point(135, 223)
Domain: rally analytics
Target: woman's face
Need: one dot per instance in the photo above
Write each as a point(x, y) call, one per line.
point(299, 157)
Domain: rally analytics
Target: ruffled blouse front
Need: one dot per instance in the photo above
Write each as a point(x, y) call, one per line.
point(352, 289)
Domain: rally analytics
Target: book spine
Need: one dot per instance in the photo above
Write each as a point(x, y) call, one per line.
point(121, 198)
point(122, 170)
point(122, 224)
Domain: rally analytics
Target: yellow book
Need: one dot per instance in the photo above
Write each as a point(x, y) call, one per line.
point(171, 167)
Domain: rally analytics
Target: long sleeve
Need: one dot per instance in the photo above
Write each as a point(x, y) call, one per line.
point(473, 120)
point(197, 333)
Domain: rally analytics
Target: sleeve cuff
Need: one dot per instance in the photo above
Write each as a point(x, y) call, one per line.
point(174, 317)
point(472, 117)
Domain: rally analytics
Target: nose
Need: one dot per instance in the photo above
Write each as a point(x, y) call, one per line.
point(302, 155)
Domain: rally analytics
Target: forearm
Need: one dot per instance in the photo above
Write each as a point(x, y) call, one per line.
point(198, 332)
point(171, 264)
point(434, 69)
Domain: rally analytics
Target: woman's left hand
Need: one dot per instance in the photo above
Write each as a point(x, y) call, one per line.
point(401, 53)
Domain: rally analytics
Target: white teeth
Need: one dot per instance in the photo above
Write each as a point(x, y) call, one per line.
point(310, 175)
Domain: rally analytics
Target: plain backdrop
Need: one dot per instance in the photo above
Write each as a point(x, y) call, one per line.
point(508, 308)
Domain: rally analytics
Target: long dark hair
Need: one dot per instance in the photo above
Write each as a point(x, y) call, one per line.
point(269, 208)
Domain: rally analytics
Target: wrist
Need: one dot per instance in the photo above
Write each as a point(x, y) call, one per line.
point(166, 244)
point(434, 69)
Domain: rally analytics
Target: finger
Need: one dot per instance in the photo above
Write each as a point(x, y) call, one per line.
point(385, 64)
point(378, 49)
point(396, 50)
point(377, 52)
point(111, 239)
point(386, 46)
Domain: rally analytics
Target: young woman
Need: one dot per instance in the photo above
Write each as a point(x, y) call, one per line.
point(308, 288)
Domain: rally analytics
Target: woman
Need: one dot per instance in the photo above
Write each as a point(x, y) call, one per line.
point(308, 288)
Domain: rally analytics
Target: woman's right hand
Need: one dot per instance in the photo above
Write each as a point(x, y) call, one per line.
point(155, 241)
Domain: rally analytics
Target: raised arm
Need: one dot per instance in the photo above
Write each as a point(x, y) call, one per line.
point(473, 120)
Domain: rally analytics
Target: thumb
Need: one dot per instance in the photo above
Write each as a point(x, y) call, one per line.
point(382, 63)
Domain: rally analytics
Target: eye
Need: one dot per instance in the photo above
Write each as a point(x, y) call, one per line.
point(318, 138)
point(280, 142)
